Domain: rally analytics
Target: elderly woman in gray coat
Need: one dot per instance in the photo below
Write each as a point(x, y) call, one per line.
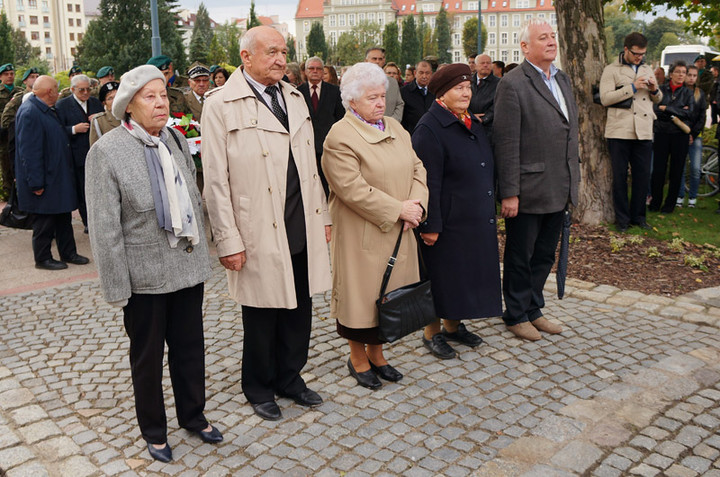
point(148, 240)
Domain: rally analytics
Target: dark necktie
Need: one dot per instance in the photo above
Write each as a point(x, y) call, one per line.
point(314, 98)
point(275, 105)
point(423, 91)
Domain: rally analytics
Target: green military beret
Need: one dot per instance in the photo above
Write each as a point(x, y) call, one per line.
point(6, 67)
point(75, 70)
point(28, 72)
point(162, 62)
point(104, 71)
point(197, 69)
point(213, 68)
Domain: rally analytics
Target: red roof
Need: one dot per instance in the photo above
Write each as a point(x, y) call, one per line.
point(309, 9)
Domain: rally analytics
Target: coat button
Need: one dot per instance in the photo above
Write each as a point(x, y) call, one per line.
point(482, 164)
point(270, 189)
point(265, 153)
point(387, 140)
point(275, 224)
point(318, 211)
point(189, 249)
point(492, 221)
point(308, 142)
point(472, 137)
point(314, 176)
point(490, 193)
point(253, 122)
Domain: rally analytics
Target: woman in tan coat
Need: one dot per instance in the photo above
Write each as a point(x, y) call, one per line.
point(377, 185)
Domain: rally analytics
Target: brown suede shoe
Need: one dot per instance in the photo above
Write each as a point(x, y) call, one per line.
point(543, 324)
point(525, 331)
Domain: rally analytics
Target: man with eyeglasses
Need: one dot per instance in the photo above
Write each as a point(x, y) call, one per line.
point(75, 113)
point(628, 88)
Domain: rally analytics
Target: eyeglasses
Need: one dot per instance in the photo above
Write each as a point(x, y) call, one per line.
point(638, 55)
point(82, 90)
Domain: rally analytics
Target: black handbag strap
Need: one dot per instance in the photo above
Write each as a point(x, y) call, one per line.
point(391, 263)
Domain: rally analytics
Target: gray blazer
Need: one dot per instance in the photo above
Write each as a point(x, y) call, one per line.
point(394, 103)
point(536, 148)
point(132, 253)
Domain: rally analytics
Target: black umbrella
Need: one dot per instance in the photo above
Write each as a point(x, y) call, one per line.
point(563, 256)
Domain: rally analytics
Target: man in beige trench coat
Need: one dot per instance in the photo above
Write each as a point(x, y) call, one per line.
point(269, 217)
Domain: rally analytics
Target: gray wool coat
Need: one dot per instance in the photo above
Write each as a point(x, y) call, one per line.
point(131, 251)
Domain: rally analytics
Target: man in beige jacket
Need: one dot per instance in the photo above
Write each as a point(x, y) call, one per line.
point(269, 217)
point(629, 127)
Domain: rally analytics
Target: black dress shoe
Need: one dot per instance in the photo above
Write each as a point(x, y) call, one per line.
point(439, 347)
point(77, 260)
point(622, 228)
point(163, 455)
point(307, 398)
point(387, 372)
point(50, 264)
point(268, 410)
point(212, 436)
point(643, 225)
point(366, 378)
point(463, 336)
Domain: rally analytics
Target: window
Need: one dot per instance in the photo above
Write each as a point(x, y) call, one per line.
point(432, 22)
point(21, 20)
point(361, 17)
point(341, 19)
point(491, 20)
point(77, 8)
point(515, 37)
point(20, 5)
point(553, 19)
point(72, 36)
point(78, 22)
point(381, 19)
point(306, 25)
point(456, 39)
point(71, 22)
point(528, 17)
point(472, 5)
point(33, 20)
point(516, 20)
point(351, 19)
point(428, 7)
point(516, 56)
point(73, 51)
point(456, 22)
point(34, 35)
point(503, 38)
point(492, 55)
point(333, 37)
point(504, 56)
point(46, 19)
point(332, 20)
point(32, 3)
point(503, 20)
point(48, 51)
point(491, 38)
point(541, 16)
point(69, 7)
point(45, 7)
point(371, 17)
point(523, 3)
point(456, 56)
point(80, 37)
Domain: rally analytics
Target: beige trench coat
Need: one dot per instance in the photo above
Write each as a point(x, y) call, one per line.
point(245, 157)
point(370, 174)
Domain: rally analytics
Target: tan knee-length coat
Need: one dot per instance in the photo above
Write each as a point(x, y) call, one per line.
point(370, 173)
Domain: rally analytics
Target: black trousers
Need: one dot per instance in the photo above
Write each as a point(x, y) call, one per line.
point(676, 146)
point(47, 227)
point(530, 245)
point(150, 322)
point(80, 183)
point(638, 155)
point(276, 340)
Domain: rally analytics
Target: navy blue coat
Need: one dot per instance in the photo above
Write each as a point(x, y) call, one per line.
point(463, 265)
point(70, 114)
point(43, 160)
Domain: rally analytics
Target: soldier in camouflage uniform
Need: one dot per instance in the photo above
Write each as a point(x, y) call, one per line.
point(65, 92)
point(105, 122)
point(7, 89)
point(175, 95)
point(104, 75)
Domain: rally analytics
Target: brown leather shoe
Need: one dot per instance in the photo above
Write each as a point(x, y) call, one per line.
point(525, 331)
point(543, 324)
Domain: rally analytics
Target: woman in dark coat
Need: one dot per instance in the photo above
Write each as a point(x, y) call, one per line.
point(459, 237)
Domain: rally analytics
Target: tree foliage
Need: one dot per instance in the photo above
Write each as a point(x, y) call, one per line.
point(120, 37)
point(701, 17)
point(410, 46)
point(618, 24)
point(659, 27)
point(7, 46)
point(423, 29)
point(202, 35)
point(253, 20)
point(216, 53)
point(229, 38)
point(292, 50)
point(444, 39)
point(391, 42)
point(315, 41)
point(25, 53)
point(351, 46)
point(469, 37)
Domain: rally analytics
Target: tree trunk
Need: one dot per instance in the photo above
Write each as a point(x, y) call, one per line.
point(582, 51)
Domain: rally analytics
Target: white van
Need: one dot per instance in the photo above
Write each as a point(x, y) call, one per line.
point(686, 53)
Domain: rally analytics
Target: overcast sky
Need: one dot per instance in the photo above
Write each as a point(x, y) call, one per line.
point(222, 10)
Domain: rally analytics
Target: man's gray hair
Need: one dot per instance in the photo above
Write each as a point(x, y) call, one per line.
point(79, 79)
point(358, 79)
point(249, 41)
point(315, 59)
point(524, 33)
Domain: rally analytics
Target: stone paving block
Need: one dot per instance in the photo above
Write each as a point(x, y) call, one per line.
point(15, 456)
point(546, 471)
point(39, 431)
point(577, 456)
point(57, 448)
point(30, 469)
point(619, 392)
point(644, 470)
point(677, 470)
point(8, 437)
point(15, 398)
point(679, 364)
point(696, 463)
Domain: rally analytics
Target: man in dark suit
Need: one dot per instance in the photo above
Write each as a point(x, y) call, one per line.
point(416, 96)
point(75, 113)
point(483, 85)
point(325, 106)
point(536, 152)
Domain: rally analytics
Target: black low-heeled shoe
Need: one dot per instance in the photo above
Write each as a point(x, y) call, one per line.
point(366, 378)
point(212, 436)
point(387, 372)
point(163, 455)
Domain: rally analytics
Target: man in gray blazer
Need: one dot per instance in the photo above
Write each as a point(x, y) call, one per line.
point(536, 152)
point(394, 104)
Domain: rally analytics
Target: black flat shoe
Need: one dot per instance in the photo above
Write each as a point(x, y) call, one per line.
point(439, 347)
point(366, 378)
point(212, 436)
point(463, 336)
point(51, 264)
point(387, 372)
point(307, 398)
point(163, 455)
point(643, 225)
point(268, 410)
point(77, 260)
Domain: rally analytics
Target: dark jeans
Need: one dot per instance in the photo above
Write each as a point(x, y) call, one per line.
point(638, 155)
point(47, 227)
point(676, 146)
point(150, 322)
point(531, 241)
point(276, 340)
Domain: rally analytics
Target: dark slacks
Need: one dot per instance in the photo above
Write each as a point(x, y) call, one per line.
point(530, 245)
point(80, 182)
point(276, 340)
point(676, 146)
point(638, 155)
point(150, 322)
point(47, 227)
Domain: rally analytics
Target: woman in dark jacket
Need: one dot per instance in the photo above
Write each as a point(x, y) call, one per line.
point(697, 124)
point(459, 237)
point(670, 139)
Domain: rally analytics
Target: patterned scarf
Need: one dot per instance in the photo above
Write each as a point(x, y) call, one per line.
point(378, 125)
point(464, 117)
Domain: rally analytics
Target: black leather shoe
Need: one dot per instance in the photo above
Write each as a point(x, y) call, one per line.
point(212, 436)
point(268, 410)
point(163, 455)
point(387, 372)
point(51, 264)
point(366, 378)
point(439, 347)
point(622, 228)
point(463, 336)
point(307, 398)
point(77, 260)
point(643, 225)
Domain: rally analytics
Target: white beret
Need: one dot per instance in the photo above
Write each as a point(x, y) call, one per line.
point(132, 82)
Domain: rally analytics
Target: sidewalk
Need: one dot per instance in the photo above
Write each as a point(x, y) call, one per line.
point(632, 387)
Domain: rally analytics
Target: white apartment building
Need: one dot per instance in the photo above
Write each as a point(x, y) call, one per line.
point(502, 19)
point(54, 26)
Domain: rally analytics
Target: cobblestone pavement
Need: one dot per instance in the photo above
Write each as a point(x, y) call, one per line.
point(632, 387)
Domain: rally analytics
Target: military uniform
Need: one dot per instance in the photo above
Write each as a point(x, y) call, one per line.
point(181, 82)
point(10, 110)
point(101, 124)
point(178, 104)
point(194, 105)
point(64, 93)
point(5, 160)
